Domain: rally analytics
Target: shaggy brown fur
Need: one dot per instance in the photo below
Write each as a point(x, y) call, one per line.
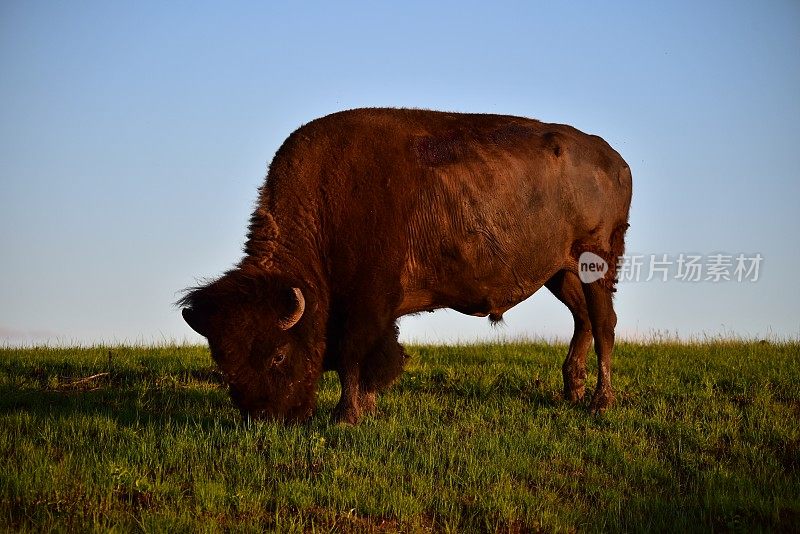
point(372, 214)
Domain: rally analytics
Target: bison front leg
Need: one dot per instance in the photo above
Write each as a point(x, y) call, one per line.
point(566, 286)
point(604, 320)
point(348, 410)
point(381, 368)
point(363, 377)
point(349, 368)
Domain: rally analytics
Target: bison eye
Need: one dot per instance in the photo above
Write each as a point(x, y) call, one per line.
point(279, 357)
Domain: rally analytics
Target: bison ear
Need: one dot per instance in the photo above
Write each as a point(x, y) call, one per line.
point(196, 320)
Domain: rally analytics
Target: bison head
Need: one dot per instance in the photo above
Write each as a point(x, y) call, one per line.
point(260, 336)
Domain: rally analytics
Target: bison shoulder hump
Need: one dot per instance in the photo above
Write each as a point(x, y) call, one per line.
point(442, 149)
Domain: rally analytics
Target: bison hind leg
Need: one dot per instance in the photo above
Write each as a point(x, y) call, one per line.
point(566, 286)
point(603, 319)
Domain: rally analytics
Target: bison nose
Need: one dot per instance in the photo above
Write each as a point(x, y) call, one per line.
point(236, 395)
point(239, 400)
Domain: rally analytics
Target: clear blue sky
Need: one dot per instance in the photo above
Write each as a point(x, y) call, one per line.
point(132, 141)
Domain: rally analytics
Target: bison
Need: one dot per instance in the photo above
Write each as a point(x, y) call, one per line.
point(367, 215)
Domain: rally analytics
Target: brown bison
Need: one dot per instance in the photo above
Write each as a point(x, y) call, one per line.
point(371, 214)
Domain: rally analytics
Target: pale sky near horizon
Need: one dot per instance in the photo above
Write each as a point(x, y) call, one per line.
point(133, 138)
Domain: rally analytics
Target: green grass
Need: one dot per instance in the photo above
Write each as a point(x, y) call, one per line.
point(474, 438)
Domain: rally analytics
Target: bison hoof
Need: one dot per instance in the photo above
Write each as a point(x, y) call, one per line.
point(346, 414)
point(574, 394)
point(601, 401)
point(368, 403)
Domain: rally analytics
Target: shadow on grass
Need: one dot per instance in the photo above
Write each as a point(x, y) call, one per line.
point(164, 403)
point(495, 388)
point(161, 407)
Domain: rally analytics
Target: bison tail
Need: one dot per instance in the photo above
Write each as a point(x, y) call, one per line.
point(617, 243)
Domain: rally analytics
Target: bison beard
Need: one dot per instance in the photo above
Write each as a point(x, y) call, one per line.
point(368, 215)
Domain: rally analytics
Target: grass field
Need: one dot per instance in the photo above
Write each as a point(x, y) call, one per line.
point(473, 438)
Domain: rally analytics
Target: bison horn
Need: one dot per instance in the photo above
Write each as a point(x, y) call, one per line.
point(300, 306)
